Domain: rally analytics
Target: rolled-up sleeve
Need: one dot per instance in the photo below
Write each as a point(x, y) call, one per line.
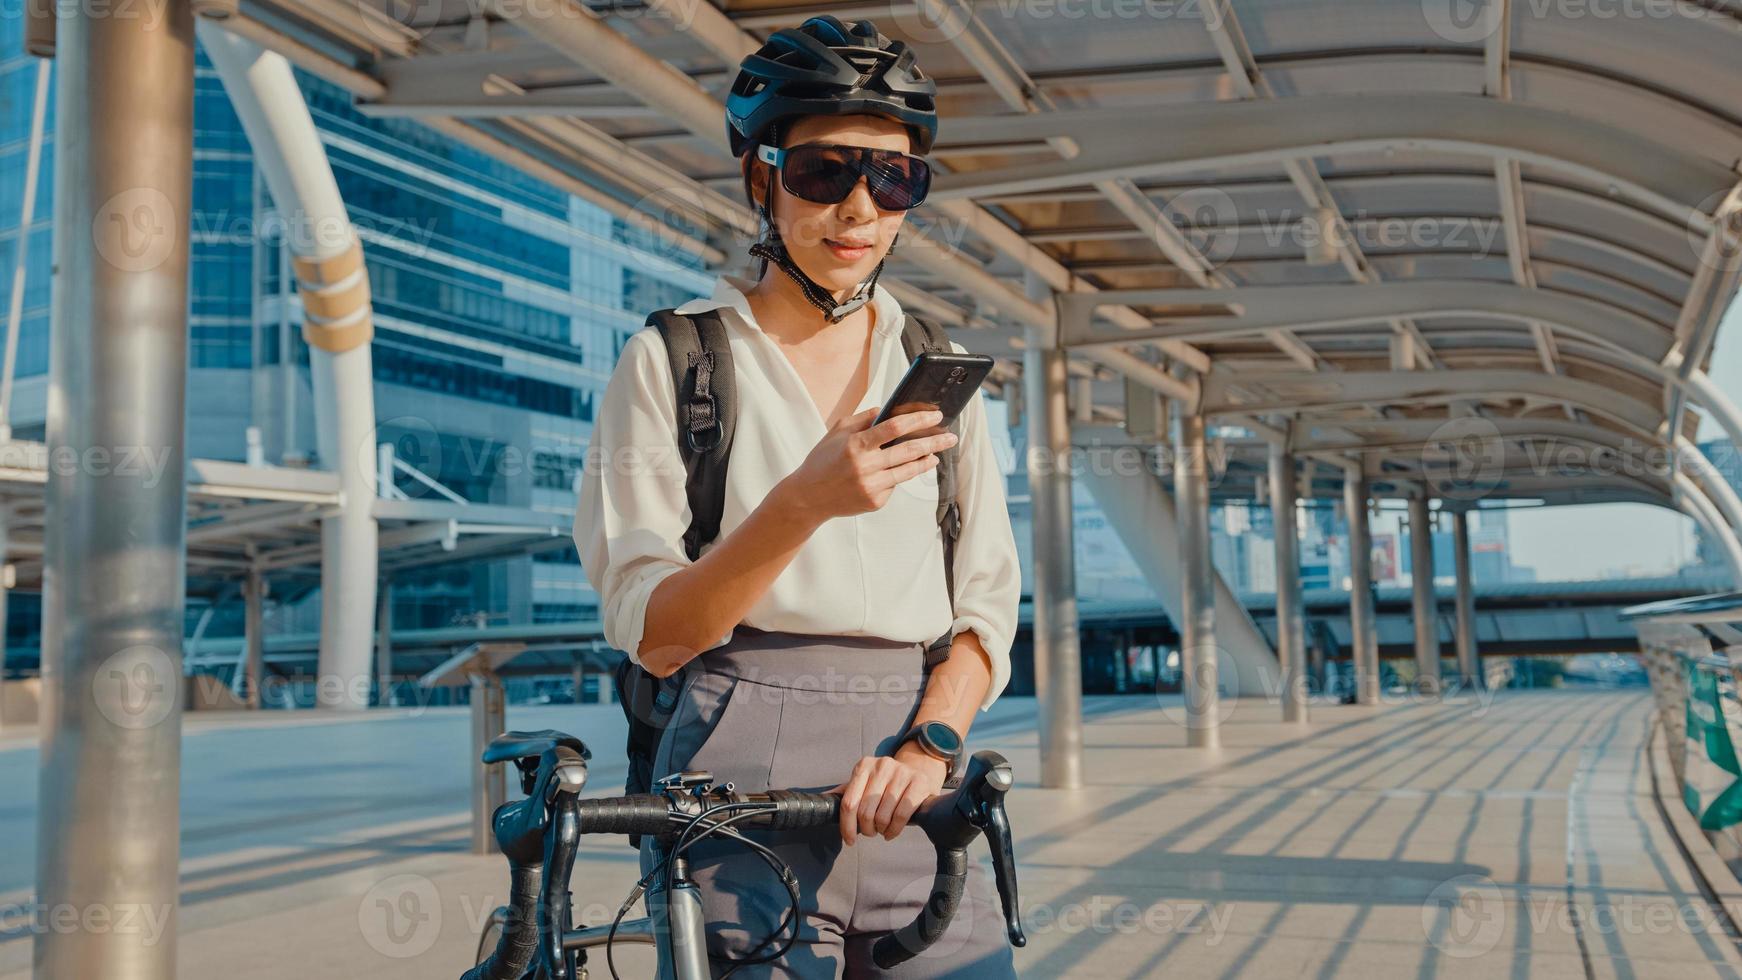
point(988, 572)
point(632, 510)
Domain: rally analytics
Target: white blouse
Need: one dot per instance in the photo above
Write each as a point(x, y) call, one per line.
point(874, 574)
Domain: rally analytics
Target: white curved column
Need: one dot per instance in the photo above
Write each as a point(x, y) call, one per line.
point(336, 324)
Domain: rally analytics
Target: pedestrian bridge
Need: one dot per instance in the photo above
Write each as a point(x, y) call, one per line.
point(1501, 834)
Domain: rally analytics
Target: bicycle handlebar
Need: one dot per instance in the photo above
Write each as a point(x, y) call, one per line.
point(539, 835)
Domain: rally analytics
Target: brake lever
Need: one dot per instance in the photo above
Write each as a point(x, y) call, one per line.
point(1004, 869)
point(560, 843)
point(986, 812)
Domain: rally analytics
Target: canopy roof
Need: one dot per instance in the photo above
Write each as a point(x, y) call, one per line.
point(1371, 228)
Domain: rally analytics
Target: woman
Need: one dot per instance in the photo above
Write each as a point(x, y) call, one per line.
point(801, 629)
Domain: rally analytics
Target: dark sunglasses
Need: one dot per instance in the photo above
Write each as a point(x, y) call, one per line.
point(825, 173)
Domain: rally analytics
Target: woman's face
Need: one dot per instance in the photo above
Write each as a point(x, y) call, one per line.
point(837, 245)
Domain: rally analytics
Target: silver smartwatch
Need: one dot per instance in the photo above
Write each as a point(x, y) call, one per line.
point(940, 741)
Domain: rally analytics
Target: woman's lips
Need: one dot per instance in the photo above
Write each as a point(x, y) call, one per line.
point(846, 252)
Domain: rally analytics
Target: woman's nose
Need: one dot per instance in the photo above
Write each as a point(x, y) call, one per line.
point(858, 204)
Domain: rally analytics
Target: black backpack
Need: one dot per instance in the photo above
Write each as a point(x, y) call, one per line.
point(707, 411)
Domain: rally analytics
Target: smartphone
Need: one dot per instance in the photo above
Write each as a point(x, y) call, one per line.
point(936, 380)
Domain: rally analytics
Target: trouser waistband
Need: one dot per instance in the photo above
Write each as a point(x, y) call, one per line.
point(817, 662)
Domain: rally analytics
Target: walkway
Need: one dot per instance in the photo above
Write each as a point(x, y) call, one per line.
point(1513, 837)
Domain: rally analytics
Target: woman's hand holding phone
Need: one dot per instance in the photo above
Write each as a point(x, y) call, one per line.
point(850, 472)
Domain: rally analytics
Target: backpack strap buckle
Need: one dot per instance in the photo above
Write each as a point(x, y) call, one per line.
point(704, 429)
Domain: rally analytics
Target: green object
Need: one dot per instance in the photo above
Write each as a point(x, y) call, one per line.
point(1713, 773)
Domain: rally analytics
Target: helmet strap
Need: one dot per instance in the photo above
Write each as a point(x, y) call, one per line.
point(772, 249)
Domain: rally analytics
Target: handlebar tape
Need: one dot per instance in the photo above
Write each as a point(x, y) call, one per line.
point(519, 942)
point(917, 936)
point(642, 814)
point(798, 810)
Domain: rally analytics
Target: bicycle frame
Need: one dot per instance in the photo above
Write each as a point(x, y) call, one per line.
point(676, 928)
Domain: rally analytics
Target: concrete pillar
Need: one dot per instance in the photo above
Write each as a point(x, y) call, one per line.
point(1363, 635)
point(1424, 608)
point(1058, 672)
point(1469, 663)
point(1197, 593)
point(1290, 618)
point(489, 783)
point(253, 638)
point(114, 568)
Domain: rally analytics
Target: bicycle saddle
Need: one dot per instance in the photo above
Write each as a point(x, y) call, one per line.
point(530, 745)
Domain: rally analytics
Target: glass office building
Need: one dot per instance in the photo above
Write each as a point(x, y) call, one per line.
point(500, 303)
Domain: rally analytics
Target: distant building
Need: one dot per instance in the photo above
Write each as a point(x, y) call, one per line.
point(501, 304)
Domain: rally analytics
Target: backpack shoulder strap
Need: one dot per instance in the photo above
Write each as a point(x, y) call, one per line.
point(707, 413)
point(922, 334)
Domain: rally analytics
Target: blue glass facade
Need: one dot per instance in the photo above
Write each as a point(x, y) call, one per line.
point(501, 304)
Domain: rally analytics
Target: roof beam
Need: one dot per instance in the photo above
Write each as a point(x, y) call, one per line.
point(1311, 392)
point(592, 43)
point(1254, 309)
point(1160, 140)
point(1250, 83)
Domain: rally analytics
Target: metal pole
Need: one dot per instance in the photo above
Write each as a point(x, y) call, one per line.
point(1058, 681)
point(1469, 666)
point(1197, 593)
point(1290, 619)
point(21, 254)
point(489, 783)
point(253, 636)
point(1363, 639)
point(114, 570)
point(1424, 610)
point(384, 644)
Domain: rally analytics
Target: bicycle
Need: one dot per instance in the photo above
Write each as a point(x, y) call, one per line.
point(535, 938)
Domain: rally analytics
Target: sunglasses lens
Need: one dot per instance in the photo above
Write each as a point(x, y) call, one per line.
point(898, 182)
point(819, 174)
point(825, 174)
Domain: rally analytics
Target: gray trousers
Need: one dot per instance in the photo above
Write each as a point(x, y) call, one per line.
point(796, 711)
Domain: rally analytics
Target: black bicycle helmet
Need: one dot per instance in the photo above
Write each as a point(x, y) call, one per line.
point(823, 67)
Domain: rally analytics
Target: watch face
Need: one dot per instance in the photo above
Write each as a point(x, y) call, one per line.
point(943, 737)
